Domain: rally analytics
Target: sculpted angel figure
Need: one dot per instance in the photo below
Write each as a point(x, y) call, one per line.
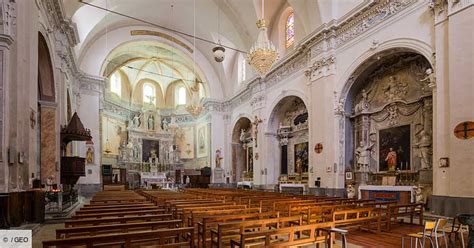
point(430, 78)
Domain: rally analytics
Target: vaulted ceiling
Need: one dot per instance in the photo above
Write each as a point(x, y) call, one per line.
point(232, 22)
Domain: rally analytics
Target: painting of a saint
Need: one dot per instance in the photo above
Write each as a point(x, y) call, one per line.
point(394, 148)
point(301, 157)
point(150, 150)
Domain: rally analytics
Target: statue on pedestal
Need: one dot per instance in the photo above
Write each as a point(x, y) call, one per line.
point(151, 123)
point(363, 104)
point(136, 122)
point(363, 156)
point(218, 158)
point(424, 151)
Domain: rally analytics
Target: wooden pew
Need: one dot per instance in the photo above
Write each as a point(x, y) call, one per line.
point(118, 220)
point(126, 240)
point(229, 230)
point(402, 210)
point(211, 221)
point(108, 210)
point(117, 214)
point(111, 207)
point(114, 228)
point(286, 237)
point(358, 217)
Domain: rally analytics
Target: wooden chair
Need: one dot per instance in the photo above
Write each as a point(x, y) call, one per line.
point(420, 238)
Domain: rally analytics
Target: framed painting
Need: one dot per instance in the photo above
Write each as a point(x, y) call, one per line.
point(301, 157)
point(202, 140)
point(394, 148)
point(150, 150)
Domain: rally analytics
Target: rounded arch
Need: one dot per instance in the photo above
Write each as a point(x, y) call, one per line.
point(170, 99)
point(370, 72)
point(240, 152)
point(46, 82)
point(137, 93)
point(384, 48)
point(281, 28)
point(278, 99)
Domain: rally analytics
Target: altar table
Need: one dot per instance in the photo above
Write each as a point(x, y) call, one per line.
point(401, 194)
point(293, 186)
point(245, 184)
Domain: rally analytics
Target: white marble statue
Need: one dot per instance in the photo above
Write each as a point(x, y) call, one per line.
point(242, 135)
point(430, 78)
point(363, 104)
point(362, 153)
point(424, 149)
point(136, 122)
point(351, 191)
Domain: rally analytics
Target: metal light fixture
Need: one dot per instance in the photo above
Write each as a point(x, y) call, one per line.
point(194, 107)
point(263, 53)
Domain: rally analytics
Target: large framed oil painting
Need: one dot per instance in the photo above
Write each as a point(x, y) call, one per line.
point(301, 157)
point(394, 148)
point(150, 150)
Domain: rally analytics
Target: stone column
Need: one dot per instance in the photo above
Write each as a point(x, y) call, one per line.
point(453, 187)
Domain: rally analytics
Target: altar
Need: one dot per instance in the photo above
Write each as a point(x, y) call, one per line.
point(245, 184)
point(293, 187)
point(401, 194)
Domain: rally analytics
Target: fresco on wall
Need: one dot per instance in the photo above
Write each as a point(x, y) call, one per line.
point(202, 139)
point(394, 150)
point(151, 149)
point(186, 143)
point(115, 135)
point(301, 157)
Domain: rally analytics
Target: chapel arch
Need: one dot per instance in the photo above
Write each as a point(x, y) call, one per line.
point(47, 112)
point(289, 123)
point(388, 108)
point(242, 158)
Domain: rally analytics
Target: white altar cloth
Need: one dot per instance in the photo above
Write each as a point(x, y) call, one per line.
point(249, 184)
point(292, 185)
point(388, 188)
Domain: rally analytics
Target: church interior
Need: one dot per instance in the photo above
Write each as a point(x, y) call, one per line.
point(236, 123)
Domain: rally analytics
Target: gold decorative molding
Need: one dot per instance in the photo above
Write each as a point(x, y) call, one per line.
point(161, 35)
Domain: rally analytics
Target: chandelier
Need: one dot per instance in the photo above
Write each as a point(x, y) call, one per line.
point(263, 53)
point(194, 108)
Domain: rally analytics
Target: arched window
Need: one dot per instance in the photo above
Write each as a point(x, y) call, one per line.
point(116, 83)
point(149, 94)
point(290, 30)
point(180, 95)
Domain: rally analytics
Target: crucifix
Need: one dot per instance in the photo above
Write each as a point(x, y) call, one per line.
point(151, 99)
point(255, 124)
point(464, 130)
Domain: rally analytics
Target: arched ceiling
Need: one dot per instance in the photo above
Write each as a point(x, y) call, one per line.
point(151, 60)
point(232, 22)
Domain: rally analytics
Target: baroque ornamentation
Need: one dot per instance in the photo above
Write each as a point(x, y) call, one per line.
point(320, 68)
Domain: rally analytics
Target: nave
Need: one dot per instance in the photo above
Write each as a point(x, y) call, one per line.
point(196, 217)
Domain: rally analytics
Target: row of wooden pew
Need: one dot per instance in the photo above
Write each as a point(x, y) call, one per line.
point(122, 219)
point(222, 218)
